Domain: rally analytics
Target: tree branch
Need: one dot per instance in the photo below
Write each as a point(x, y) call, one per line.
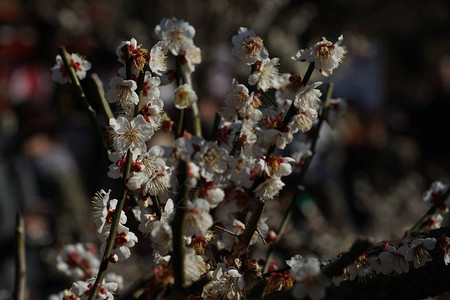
point(21, 270)
point(428, 281)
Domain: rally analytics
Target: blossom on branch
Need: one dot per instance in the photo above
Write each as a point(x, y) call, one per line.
point(139, 55)
point(60, 73)
point(184, 96)
point(418, 251)
point(325, 55)
point(122, 92)
point(84, 288)
point(131, 135)
point(154, 178)
point(158, 59)
point(309, 281)
point(124, 240)
point(248, 47)
point(103, 209)
point(79, 261)
point(265, 75)
point(177, 36)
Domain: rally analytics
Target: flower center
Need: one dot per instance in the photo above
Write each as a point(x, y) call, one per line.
point(123, 93)
point(251, 46)
point(211, 156)
point(176, 36)
point(132, 135)
point(255, 101)
point(183, 98)
point(121, 240)
point(324, 51)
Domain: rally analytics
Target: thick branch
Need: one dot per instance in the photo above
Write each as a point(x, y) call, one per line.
point(428, 281)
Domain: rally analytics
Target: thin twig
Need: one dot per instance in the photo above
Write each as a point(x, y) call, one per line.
point(21, 269)
point(100, 94)
point(226, 230)
point(261, 236)
point(82, 96)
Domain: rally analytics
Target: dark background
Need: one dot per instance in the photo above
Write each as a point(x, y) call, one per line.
point(369, 174)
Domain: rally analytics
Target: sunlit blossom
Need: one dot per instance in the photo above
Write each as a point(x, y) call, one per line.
point(79, 65)
point(248, 47)
point(326, 55)
point(131, 135)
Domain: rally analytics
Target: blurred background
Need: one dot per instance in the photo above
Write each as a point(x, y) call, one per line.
point(370, 171)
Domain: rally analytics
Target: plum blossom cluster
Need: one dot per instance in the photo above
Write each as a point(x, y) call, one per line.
point(311, 282)
point(204, 184)
point(392, 260)
point(430, 196)
point(80, 263)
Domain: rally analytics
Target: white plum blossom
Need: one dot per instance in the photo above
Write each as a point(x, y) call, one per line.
point(117, 167)
point(287, 86)
point(278, 166)
point(158, 58)
point(418, 252)
point(154, 178)
point(147, 220)
point(79, 261)
point(240, 169)
point(248, 47)
point(168, 211)
point(226, 283)
point(214, 197)
point(192, 57)
point(124, 240)
point(79, 65)
point(431, 195)
point(194, 266)
point(394, 260)
point(309, 280)
point(265, 75)
point(122, 92)
point(212, 161)
point(150, 89)
point(103, 209)
point(131, 135)
point(177, 36)
point(151, 104)
point(326, 55)
point(308, 97)
point(360, 267)
point(304, 120)
point(138, 55)
point(184, 96)
point(240, 103)
point(161, 237)
point(197, 219)
point(84, 288)
point(113, 277)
